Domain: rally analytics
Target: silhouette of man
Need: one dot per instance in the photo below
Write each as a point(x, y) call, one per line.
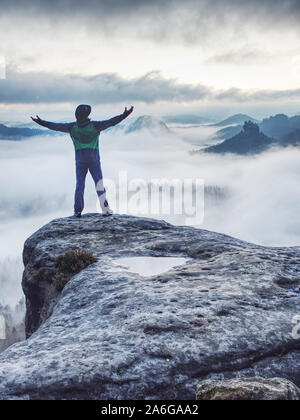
point(85, 135)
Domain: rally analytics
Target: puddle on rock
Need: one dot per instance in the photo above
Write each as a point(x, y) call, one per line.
point(148, 266)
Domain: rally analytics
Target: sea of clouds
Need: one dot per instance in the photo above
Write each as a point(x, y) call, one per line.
point(260, 203)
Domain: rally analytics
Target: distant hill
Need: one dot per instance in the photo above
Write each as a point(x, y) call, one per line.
point(252, 141)
point(17, 133)
point(248, 142)
point(277, 127)
point(280, 125)
point(237, 119)
point(146, 122)
point(16, 124)
point(185, 119)
point(291, 139)
point(228, 132)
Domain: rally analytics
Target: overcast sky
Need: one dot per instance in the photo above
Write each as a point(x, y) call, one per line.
point(167, 53)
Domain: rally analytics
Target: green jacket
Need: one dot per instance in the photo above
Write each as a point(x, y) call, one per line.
point(86, 136)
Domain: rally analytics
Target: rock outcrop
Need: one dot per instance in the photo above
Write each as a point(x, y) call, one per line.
point(249, 141)
point(111, 334)
point(256, 389)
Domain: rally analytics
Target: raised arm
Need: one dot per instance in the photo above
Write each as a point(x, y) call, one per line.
point(63, 127)
point(103, 125)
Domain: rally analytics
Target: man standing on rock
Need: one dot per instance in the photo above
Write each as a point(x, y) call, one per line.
point(85, 135)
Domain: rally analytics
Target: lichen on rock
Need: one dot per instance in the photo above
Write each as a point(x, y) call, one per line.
point(241, 389)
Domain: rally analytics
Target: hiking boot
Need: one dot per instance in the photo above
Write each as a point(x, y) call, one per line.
point(78, 215)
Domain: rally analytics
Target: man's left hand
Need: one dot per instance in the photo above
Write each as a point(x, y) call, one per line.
point(36, 120)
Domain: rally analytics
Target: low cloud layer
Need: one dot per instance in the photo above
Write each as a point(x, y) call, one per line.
point(30, 88)
point(263, 203)
point(100, 89)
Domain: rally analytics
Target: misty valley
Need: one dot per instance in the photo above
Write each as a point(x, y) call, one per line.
point(250, 170)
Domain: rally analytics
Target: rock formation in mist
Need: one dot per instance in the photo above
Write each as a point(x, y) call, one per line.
point(249, 141)
point(252, 141)
point(280, 125)
point(291, 139)
point(111, 334)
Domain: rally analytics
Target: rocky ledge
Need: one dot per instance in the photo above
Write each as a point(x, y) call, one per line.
point(111, 334)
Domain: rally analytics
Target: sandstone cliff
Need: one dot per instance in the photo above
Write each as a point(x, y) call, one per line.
point(111, 334)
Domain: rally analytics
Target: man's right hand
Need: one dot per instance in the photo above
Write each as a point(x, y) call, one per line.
point(128, 111)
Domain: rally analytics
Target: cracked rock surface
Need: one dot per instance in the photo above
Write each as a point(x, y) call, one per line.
point(110, 334)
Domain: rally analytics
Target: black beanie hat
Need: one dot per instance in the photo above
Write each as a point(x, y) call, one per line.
point(82, 112)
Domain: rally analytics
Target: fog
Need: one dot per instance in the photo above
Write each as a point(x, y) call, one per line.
point(260, 203)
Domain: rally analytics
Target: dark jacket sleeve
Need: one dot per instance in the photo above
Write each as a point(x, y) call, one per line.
point(63, 127)
point(103, 125)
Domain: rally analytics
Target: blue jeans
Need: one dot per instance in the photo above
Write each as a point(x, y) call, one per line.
point(88, 160)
